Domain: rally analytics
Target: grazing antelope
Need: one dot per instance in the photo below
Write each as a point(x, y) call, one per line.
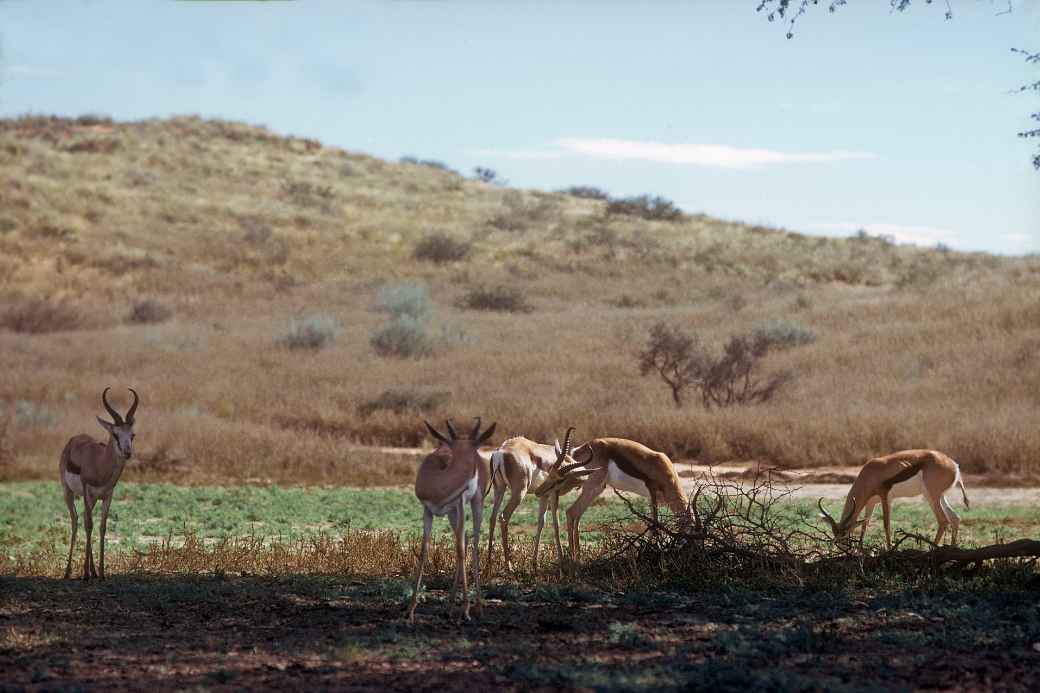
point(519, 465)
point(450, 477)
point(91, 469)
point(905, 474)
point(623, 464)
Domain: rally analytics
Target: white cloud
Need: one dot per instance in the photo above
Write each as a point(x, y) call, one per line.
point(903, 233)
point(708, 155)
point(32, 72)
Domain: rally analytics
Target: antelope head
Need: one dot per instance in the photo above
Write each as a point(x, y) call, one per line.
point(454, 447)
point(120, 429)
point(843, 529)
point(565, 471)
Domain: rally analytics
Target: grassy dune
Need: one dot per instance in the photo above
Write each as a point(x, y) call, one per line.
point(236, 232)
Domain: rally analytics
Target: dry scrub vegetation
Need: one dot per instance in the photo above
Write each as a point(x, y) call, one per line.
point(247, 244)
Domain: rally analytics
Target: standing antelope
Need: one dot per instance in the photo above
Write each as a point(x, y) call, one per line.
point(91, 469)
point(448, 478)
point(519, 465)
point(905, 474)
point(623, 464)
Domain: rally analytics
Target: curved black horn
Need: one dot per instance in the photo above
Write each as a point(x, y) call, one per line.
point(567, 441)
point(451, 429)
point(435, 434)
point(116, 418)
point(133, 407)
point(476, 430)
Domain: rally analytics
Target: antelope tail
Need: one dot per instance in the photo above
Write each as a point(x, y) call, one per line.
point(960, 482)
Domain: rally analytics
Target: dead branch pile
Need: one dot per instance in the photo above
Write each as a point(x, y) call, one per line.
point(743, 533)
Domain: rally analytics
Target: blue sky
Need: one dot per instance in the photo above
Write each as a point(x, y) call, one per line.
point(901, 124)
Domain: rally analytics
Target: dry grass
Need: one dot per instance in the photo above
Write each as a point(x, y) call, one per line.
point(238, 231)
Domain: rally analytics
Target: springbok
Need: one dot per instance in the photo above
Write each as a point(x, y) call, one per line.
point(519, 465)
point(905, 474)
point(618, 462)
point(91, 469)
point(448, 478)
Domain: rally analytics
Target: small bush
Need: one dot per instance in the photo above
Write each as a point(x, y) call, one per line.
point(402, 402)
point(40, 316)
point(488, 175)
point(149, 311)
point(440, 248)
point(653, 208)
point(783, 334)
point(505, 299)
point(403, 337)
point(429, 163)
point(585, 192)
point(307, 194)
point(311, 332)
point(406, 298)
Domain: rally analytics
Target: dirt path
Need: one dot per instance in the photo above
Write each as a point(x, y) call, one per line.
point(832, 483)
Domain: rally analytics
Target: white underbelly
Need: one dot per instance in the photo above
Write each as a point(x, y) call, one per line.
point(75, 484)
point(914, 486)
point(625, 482)
point(468, 491)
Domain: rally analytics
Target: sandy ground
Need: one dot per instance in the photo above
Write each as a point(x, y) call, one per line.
point(832, 483)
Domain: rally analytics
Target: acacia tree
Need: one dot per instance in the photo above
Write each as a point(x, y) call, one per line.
point(792, 10)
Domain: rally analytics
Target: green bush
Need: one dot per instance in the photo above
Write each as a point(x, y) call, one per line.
point(440, 248)
point(650, 207)
point(504, 299)
point(403, 337)
point(311, 332)
point(406, 298)
point(783, 334)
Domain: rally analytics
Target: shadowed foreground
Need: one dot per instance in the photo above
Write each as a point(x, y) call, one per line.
point(177, 632)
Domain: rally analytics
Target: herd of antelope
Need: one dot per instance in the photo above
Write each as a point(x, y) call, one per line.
point(460, 471)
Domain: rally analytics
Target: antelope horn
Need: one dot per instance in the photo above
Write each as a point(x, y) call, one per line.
point(133, 407)
point(451, 429)
point(567, 442)
point(435, 434)
point(827, 515)
point(116, 418)
point(476, 430)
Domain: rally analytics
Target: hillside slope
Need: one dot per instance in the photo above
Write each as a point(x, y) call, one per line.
point(235, 232)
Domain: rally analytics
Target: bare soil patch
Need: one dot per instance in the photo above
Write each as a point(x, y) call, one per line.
point(221, 632)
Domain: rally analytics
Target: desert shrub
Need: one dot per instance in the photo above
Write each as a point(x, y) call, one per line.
point(680, 359)
point(440, 248)
point(403, 337)
point(429, 163)
point(802, 302)
point(311, 332)
point(650, 207)
point(402, 402)
point(783, 334)
point(488, 175)
point(406, 298)
point(586, 192)
point(149, 311)
point(306, 194)
point(39, 316)
point(733, 377)
point(505, 299)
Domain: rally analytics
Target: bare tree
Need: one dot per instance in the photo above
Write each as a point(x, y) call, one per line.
point(680, 359)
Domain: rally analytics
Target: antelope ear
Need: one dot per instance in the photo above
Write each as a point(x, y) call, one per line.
point(105, 425)
point(487, 434)
point(556, 447)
